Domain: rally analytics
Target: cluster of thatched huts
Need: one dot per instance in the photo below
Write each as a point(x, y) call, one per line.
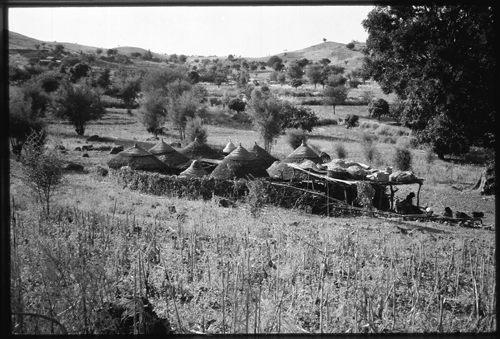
point(197, 159)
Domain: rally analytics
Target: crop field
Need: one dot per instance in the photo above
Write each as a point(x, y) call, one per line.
point(249, 268)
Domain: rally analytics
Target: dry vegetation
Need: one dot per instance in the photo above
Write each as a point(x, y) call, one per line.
point(209, 269)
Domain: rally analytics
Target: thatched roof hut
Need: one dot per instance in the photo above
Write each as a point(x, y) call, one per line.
point(229, 148)
point(168, 154)
point(137, 158)
point(239, 163)
point(198, 149)
point(194, 170)
point(301, 153)
point(264, 160)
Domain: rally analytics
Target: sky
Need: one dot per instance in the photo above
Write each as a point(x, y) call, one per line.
point(247, 31)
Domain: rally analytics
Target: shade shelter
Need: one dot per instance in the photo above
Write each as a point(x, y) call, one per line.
point(168, 155)
point(137, 158)
point(197, 150)
point(194, 171)
point(301, 153)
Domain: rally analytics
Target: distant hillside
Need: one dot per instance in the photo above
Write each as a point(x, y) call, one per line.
point(337, 53)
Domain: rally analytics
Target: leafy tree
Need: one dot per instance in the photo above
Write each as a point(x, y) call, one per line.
point(449, 101)
point(335, 96)
point(378, 107)
point(79, 103)
point(98, 51)
point(237, 105)
point(220, 77)
point(58, 49)
point(180, 108)
point(266, 113)
point(182, 58)
point(23, 120)
point(293, 116)
point(296, 83)
point(314, 73)
point(161, 78)
point(230, 57)
point(278, 66)
point(152, 111)
point(111, 52)
point(335, 80)
point(104, 79)
point(334, 69)
point(78, 71)
point(128, 89)
point(196, 130)
point(325, 61)
point(194, 76)
point(350, 45)
point(303, 62)
point(274, 59)
point(273, 76)
point(295, 71)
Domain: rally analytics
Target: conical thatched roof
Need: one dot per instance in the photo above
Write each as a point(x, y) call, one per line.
point(194, 170)
point(301, 153)
point(198, 149)
point(263, 158)
point(168, 155)
point(239, 153)
point(137, 158)
point(229, 148)
point(239, 163)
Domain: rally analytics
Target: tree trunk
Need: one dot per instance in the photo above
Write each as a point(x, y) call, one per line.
point(80, 130)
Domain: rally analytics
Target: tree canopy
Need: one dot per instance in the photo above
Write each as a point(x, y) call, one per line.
point(440, 62)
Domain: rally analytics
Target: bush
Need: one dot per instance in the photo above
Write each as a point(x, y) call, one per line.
point(312, 102)
point(296, 137)
point(404, 142)
point(351, 120)
point(341, 151)
point(403, 159)
point(195, 129)
point(41, 169)
point(368, 137)
point(370, 152)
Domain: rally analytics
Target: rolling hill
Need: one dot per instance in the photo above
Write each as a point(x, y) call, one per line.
point(337, 53)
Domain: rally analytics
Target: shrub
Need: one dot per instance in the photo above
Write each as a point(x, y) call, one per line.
point(341, 151)
point(368, 137)
point(351, 120)
point(370, 152)
point(429, 156)
point(296, 137)
point(404, 142)
point(326, 122)
point(312, 102)
point(403, 159)
point(256, 197)
point(41, 169)
point(195, 129)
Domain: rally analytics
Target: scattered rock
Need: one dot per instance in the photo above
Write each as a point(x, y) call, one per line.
point(79, 149)
point(116, 149)
point(477, 214)
point(60, 147)
point(73, 167)
point(94, 138)
point(85, 155)
point(87, 147)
